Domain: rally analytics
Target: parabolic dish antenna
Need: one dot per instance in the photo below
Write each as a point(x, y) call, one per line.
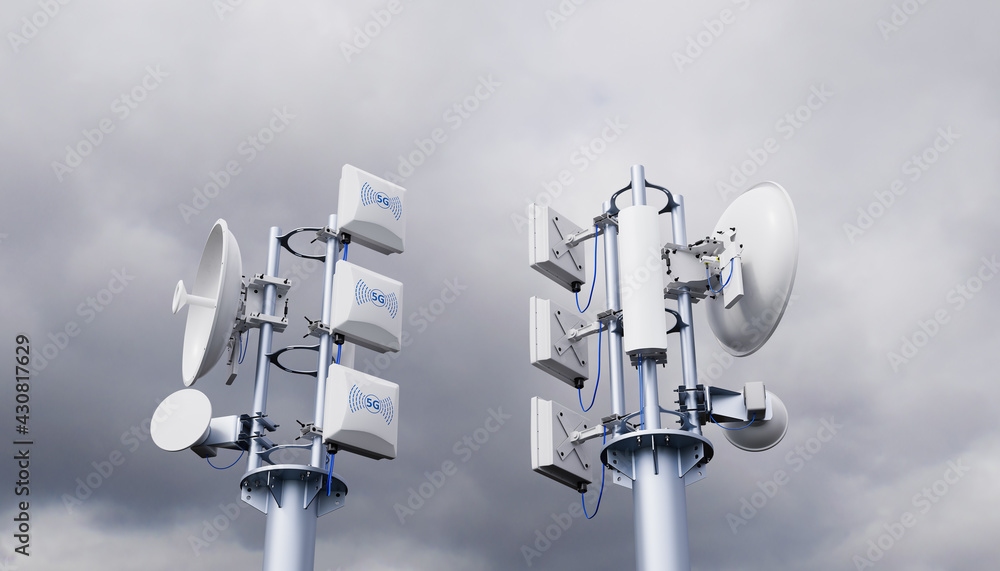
point(760, 434)
point(181, 420)
point(768, 233)
point(214, 302)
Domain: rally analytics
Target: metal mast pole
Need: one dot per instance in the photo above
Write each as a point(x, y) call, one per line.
point(263, 352)
point(290, 494)
point(689, 365)
point(613, 293)
point(658, 494)
point(325, 346)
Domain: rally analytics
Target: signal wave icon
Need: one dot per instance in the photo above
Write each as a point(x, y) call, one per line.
point(358, 400)
point(364, 294)
point(391, 203)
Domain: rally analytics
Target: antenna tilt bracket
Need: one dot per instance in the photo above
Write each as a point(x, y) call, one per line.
point(307, 429)
point(692, 268)
point(253, 314)
point(317, 328)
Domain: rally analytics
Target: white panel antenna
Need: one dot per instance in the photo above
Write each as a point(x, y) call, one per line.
point(214, 304)
point(367, 308)
point(552, 349)
point(549, 251)
point(361, 413)
point(642, 280)
point(372, 210)
point(767, 232)
point(554, 450)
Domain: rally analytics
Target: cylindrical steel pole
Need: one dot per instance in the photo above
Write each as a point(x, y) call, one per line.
point(658, 494)
point(613, 293)
point(689, 366)
point(325, 346)
point(647, 367)
point(264, 349)
point(661, 533)
point(290, 535)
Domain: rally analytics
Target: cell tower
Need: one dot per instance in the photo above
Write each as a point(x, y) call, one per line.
point(353, 411)
point(744, 271)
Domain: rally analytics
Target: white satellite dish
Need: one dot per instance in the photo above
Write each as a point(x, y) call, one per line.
point(760, 434)
point(214, 303)
point(181, 421)
point(767, 233)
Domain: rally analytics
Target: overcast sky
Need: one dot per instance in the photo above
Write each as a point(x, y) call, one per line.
point(879, 118)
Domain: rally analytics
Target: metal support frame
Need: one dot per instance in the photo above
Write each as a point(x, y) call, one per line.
point(292, 496)
point(657, 463)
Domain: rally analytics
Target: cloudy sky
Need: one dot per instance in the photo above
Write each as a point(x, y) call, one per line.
point(879, 118)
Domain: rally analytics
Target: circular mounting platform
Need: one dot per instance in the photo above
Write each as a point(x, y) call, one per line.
point(693, 452)
point(665, 437)
point(268, 481)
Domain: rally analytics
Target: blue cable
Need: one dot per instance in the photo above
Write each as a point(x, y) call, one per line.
point(243, 348)
point(593, 282)
point(752, 418)
point(642, 408)
point(597, 383)
point(709, 274)
point(343, 258)
point(604, 440)
point(329, 478)
point(229, 466)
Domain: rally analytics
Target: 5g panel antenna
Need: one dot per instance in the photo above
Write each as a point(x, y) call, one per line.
point(361, 413)
point(367, 307)
point(371, 210)
point(181, 421)
point(547, 249)
point(760, 434)
point(767, 229)
point(553, 451)
point(550, 346)
point(214, 302)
